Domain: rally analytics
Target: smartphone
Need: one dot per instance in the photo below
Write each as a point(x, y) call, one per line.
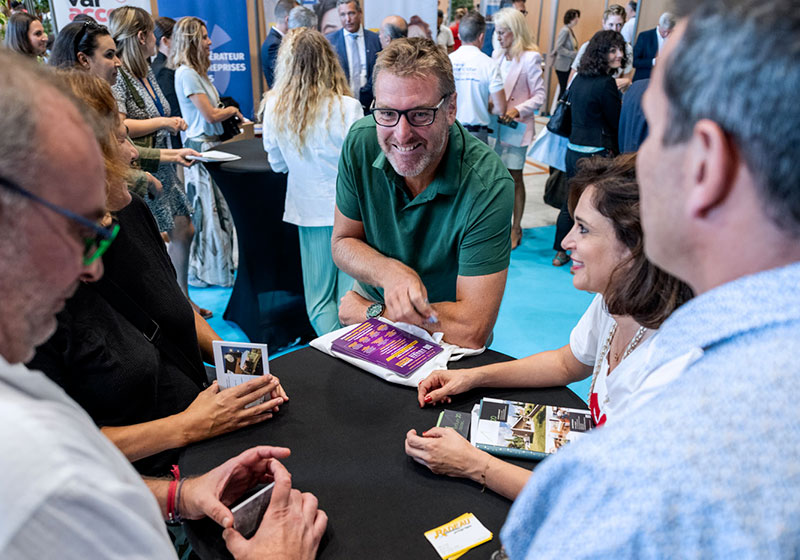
point(248, 513)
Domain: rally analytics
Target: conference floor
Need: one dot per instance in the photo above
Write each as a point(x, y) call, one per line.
point(540, 305)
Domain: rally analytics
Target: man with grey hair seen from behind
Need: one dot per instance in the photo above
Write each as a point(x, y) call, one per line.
point(477, 77)
point(67, 491)
point(708, 469)
point(423, 208)
point(301, 16)
point(649, 45)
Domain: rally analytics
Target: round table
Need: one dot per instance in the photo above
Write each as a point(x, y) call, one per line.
point(346, 429)
point(267, 299)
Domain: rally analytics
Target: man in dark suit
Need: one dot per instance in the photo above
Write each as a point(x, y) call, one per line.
point(357, 49)
point(649, 44)
point(269, 49)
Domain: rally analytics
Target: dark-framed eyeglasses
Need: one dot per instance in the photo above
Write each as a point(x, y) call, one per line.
point(418, 116)
point(95, 244)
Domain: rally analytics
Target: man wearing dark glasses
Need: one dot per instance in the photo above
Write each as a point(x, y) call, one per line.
point(67, 492)
point(423, 208)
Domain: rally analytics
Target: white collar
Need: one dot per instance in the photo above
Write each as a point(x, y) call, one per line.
point(359, 33)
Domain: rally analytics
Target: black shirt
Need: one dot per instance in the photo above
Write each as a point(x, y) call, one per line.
point(596, 103)
point(104, 362)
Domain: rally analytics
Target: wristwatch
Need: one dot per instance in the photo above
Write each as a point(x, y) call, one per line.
point(375, 310)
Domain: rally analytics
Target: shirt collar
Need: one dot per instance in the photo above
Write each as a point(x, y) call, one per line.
point(278, 31)
point(746, 304)
point(359, 33)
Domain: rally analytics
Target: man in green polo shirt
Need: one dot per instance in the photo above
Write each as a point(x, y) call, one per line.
point(423, 209)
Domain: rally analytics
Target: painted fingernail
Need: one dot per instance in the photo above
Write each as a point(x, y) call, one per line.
point(428, 398)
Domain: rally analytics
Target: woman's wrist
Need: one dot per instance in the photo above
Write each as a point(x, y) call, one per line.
point(479, 465)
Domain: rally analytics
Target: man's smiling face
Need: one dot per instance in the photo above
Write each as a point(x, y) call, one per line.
point(413, 150)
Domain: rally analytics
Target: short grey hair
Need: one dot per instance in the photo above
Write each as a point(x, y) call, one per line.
point(753, 97)
point(666, 21)
point(471, 27)
point(21, 87)
point(342, 2)
point(302, 17)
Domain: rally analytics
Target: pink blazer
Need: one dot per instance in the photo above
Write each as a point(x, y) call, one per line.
point(524, 87)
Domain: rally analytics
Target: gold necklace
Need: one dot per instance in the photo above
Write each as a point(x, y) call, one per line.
point(637, 338)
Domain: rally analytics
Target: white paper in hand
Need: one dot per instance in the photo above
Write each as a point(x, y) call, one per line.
point(214, 156)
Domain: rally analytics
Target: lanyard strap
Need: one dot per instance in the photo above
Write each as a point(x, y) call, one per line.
point(153, 96)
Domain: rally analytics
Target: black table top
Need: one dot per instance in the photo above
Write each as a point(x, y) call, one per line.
point(254, 158)
point(346, 429)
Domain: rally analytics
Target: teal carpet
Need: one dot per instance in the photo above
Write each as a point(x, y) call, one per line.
point(540, 307)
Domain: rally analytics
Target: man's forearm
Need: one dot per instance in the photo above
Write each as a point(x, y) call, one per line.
point(360, 261)
point(461, 325)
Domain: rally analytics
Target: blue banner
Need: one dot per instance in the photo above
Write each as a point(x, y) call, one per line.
point(230, 44)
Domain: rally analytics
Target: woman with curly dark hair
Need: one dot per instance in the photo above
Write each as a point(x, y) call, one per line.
point(596, 103)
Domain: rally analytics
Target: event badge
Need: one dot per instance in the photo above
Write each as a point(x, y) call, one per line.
point(457, 537)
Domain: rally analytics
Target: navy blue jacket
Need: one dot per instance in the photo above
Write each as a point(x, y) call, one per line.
point(645, 50)
point(372, 45)
point(269, 55)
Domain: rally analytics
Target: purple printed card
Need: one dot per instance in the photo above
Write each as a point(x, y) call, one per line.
point(387, 346)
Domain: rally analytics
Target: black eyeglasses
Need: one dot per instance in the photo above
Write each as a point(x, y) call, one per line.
point(418, 116)
point(94, 245)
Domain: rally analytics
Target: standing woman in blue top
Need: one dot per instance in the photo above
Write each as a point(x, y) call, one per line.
point(211, 259)
point(595, 107)
point(147, 114)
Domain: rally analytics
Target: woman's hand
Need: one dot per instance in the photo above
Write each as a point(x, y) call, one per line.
point(173, 124)
point(216, 412)
point(444, 451)
point(154, 186)
point(441, 383)
point(179, 156)
point(511, 114)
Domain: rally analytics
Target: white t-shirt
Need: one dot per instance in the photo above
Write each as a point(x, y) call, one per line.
point(311, 185)
point(627, 30)
point(445, 37)
point(612, 393)
point(65, 491)
point(619, 72)
point(189, 82)
point(476, 76)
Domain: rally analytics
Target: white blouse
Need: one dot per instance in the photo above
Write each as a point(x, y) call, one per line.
point(311, 185)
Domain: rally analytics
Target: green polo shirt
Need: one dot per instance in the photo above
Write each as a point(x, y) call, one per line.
point(459, 226)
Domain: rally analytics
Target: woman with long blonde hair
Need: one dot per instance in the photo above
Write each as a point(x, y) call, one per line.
point(306, 118)
point(211, 256)
point(521, 70)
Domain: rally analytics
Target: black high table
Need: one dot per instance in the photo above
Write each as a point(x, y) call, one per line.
point(346, 429)
point(267, 298)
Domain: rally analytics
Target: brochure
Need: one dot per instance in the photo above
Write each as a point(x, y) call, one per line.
point(212, 156)
point(238, 362)
point(526, 430)
point(387, 346)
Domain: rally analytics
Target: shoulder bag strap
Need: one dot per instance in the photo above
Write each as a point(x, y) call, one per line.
point(149, 328)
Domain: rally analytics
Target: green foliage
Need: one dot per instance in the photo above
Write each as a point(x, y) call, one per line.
point(3, 18)
point(468, 4)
